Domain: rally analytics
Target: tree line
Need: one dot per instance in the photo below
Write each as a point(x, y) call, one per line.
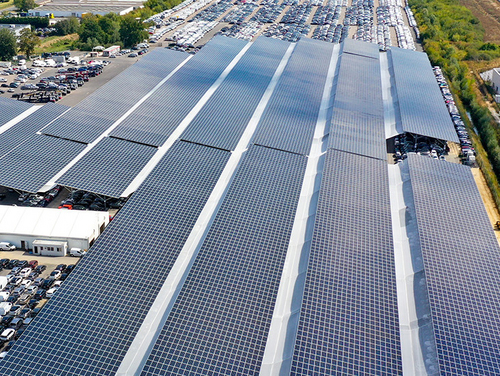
point(451, 36)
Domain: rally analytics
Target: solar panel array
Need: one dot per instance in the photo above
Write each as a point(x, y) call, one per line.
point(28, 127)
point(357, 47)
point(290, 118)
point(100, 307)
point(357, 123)
point(462, 262)
point(10, 108)
point(109, 167)
point(221, 122)
point(349, 317)
point(30, 165)
point(101, 109)
point(423, 110)
point(221, 318)
point(154, 121)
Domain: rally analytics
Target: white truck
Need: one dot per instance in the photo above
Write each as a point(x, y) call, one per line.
point(77, 252)
point(3, 282)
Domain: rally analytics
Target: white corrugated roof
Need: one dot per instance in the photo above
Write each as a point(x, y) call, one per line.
point(49, 222)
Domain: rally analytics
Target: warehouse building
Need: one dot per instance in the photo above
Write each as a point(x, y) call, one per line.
point(268, 231)
point(26, 227)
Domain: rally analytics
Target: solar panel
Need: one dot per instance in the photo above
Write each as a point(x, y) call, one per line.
point(10, 108)
point(357, 123)
point(97, 112)
point(289, 120)
point(359, 85)
point(109, 167)
point(357, 47)
point(358, 133)
point(87, 327)
point(462, 263)
point(34, 162)
point(221, 122)
point(29, 126)
point(154, 121)
point(349, 320)
point(423, 110)
point(220, 320)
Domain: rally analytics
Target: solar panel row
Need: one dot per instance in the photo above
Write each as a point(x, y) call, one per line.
point(423, 111)
point(357, 123)
point(221, 318)
point(10, 108)
point(100, 307)
point(290, 118)
point(221, 122)
point(357, 47)
point(461, 259)
point(27, 127)
point(109, 167)
point(154, 121)
point(96, 113)
point(34, 162)
point(349, 317)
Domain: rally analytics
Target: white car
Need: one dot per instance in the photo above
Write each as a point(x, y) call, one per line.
point(56, 274)
point(25, 272)
point(7, 335)
point(26, 283)
point(32, 289)
point(3, 79)
point(6, 246)
point(50, 293)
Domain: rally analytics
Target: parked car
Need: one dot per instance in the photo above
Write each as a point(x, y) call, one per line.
point(7, 335)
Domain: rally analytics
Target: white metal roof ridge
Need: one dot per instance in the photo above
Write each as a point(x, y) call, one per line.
point(18, 118)
point(138, 352)
point(418, 353)
point(279, 346)
point(90, 146)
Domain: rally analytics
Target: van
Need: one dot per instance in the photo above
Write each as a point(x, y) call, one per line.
point(5, 308)
point(77, 252)
point(6, 246)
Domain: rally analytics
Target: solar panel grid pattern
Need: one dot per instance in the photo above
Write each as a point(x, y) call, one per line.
point(34, 162)
point(357, 47)
point(155, 120)
point(221, 122)
point(220, 321)
point(358, 133)
point(27, 127)
point(98, 111)
point(462, 262)
point(349, 317)
point(109, 167)
point(359, 85)
point(422, 107)
point(117, 282)
point(290, 118)
point(10, 108)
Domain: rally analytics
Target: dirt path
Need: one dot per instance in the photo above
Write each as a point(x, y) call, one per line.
point(489, 204)
point(488, 13)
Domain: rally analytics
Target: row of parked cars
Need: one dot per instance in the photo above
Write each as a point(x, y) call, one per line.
point(23, 295)
point(33, 199)
point(246, 31)
point(422, 145)
point(81, 200)
point(465, 142)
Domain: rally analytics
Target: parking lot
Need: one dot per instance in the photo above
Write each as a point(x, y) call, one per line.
point(115, 66)
point(30, 281)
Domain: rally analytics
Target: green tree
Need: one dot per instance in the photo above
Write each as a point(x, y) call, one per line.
point(90, 28)
point(111, 28)
point(8, 47)
point(25, 5)
point(132, 31)
point(28, 41)
point(67, 26)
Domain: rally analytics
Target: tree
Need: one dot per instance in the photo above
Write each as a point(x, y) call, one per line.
point(8, 47)
point(132, 31)
point(111, 28)
point(28, 41)
point(67, 26)
point(90, 28)
point(25, 5)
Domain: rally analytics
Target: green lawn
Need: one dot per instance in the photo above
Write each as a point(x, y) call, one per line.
point(56, 43)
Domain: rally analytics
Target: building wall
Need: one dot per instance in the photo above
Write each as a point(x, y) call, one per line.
point(28, 240)
point(495, 80)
